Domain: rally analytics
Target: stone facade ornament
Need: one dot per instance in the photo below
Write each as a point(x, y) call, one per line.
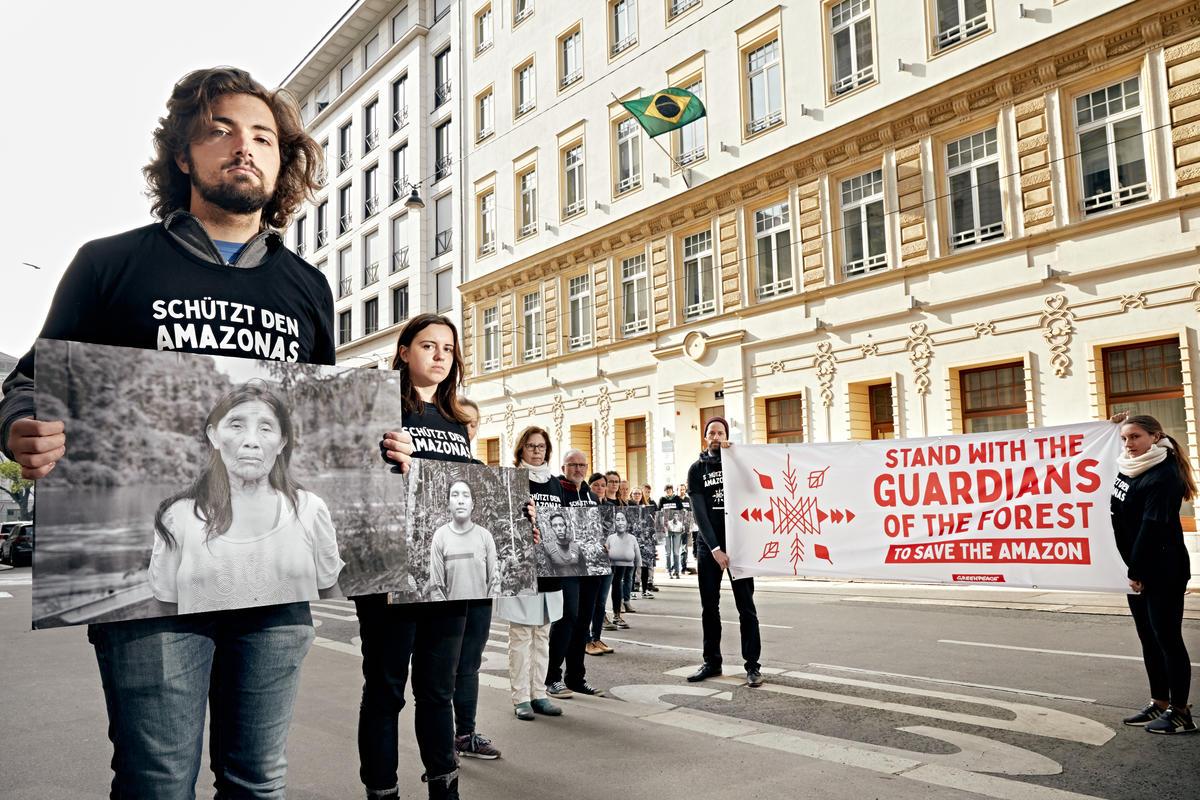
point(920, 354)
point(826, 370)
point(605, 410)
point(558, 412)
point(1058, 330)
point(510, 421)
point(1135, 300)
point(985, 328)
point(694, 345)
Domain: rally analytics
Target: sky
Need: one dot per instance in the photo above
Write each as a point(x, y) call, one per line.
point(85, 84)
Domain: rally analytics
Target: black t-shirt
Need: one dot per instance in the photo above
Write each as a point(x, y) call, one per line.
point(705, 477)
point(437, 437)
point(1145, 520)
point(674, 501)
point(546, 494)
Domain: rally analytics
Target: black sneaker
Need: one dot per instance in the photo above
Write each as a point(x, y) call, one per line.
point(1147, 714)
point(475, 745)
point(1173, 720)
point(587, 688)
point(754, 678)
point(558, 690)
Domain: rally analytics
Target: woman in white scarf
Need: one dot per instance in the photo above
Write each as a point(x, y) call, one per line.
point(1154, 479)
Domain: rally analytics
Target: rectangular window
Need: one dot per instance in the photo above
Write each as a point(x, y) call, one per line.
point(323, 172)
point(345, 212)
point(635, 451)
point(524, 90)
point(443, 161)
point(483, 29)
point(306, 113)
point(491, 339)
point(399, 172)
point(570, 58)
point(444, 286)
point(399, 103)
point(323, 265)
point(635, 295)
point(441, 8)
point(1146, 378)
point(371, 51)
point(346, 75)
point(993, 398)
point(370, 316)
point(852, 51)
point(699, 279)
point(527, 216)
point(624, 25)
point(532, 326)
point(680, 6)
point(521, 10)
point(629, 156)
point(441, 77)
point(399, 23)
point(345, 148)
point(579, 299)
point(1112, 155)
point(487, 223)
point(399, 303)
point(691, 141)
point(573, 181)
point(883, 425)
point(371, 126)
point(399, 243)
point(485, 113)
point(443, 220)
point(785, 419)
point(345, 320)
point(493, 452)
point(370, 191)
point(764, 84)
point(345, 277)
point(973, 175)
point(773, 250)
point(959, 20)
point(322, 223)
point(322, 98)
point(370, 258)
point(300, 225)
point(864, 239)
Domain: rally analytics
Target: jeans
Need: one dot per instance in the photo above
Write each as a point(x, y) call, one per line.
point(626, 583)
point(602, 590)
point(431, 635)
point(1158, 614)
point(709, 574)
point(673, 547)
point(622, 577)
point(158, 674)
point(466, 682)
point(562, 630)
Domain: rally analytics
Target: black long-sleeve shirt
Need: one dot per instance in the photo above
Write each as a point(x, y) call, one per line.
point(1145, 519)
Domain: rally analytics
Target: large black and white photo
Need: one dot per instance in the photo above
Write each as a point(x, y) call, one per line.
point(199, 483)
point(572, 542)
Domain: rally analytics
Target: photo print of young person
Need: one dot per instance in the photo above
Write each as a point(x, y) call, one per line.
point(198, 482)
point(672, 521)
point(641, 525)
point(572, 542)
point(468, 535)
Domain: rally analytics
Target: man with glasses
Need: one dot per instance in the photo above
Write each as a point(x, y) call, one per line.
point(569, 634)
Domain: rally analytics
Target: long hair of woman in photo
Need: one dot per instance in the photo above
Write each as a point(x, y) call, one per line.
point(1154, 478)
point(462, 562)
point(279, 548)
point(430, 635)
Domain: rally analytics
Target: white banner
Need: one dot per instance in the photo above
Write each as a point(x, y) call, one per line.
point(1027, 508)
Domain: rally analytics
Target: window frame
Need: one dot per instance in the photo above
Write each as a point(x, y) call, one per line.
point(980, 234)
point(639, 282)
point(526, 216)
point(1022, 407)
point(370, 257)
point(697, 153)
point(371, 315)
point(1108, 124)
point(443, 162)
point(629, 39)
point(859, 76)
point(533, 330)
point(398, 292)
point(771, 119)
point(345, 272)
point(398, 95)
point(489, 95)
point(442, 84)
point(778, 287)
point(443, 236)
point(370, 125)
point(345, 326)
point(399, 254)
point(693, 311)
point(624, 186)
point(782, 435)
point(573, 208)
point(940, 43)
point(870, 262)
point(490, 343)
point(567, 79)
point(483, 15)
point(581, 302)
point(486, 222)
point(345, 208)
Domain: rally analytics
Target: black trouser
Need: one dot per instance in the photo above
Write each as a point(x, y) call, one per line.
point(618, 593)
point(431, 634)
point(709, 577)
point(569, 634)
point(466, 682)
point(1158, 614)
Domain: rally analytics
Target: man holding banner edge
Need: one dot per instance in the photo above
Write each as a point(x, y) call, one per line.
point(706, 490)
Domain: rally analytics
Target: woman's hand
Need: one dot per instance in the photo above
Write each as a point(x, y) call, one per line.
point(1119, 417)
point(397, 446)
point(36, 446)
point(1136, 586)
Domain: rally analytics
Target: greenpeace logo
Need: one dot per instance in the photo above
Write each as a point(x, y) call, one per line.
point(977, 578)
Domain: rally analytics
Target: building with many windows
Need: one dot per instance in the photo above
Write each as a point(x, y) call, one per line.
point(378, 93)
point(897, 219)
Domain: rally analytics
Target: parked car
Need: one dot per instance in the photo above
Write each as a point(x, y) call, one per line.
point(17, 548)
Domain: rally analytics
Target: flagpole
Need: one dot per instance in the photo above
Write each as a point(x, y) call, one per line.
point(680, 167)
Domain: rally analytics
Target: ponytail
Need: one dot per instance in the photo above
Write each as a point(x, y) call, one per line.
point(1184, 465)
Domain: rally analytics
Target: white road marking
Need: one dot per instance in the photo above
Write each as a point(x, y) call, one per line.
point(331, 606)
point(683, 672)
point(1043, 650)
point(5, 594)
point(20, 580)
point(343, 617)
point(341, 647)
point(1030, 692)
point(732, 621)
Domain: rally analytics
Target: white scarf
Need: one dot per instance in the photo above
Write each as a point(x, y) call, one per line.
point(537, 474)
point(1136, 465)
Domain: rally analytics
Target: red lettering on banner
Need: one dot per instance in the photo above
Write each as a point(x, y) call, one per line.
point(1067, 550)
point(977, 578)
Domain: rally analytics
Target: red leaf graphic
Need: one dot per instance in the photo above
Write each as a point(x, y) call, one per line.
point(765, 481)
point(821, 551)
point(770, 551)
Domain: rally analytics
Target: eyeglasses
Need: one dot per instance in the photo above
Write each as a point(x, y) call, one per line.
point(537, 448)
point(572, 464)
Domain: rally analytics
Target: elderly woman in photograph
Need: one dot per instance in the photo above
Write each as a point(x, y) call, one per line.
point(244, 533)
point(462, 558)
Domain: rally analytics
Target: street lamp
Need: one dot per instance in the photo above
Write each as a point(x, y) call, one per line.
point(414, 200)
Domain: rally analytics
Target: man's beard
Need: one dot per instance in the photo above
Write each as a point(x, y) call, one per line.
point(234, 196)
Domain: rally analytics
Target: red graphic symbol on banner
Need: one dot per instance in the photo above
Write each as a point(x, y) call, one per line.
point(789, 477)
point(816, 478)
point(836, 515)
point(771, 550)
point(822, 552)
point(794, 516)
point(764, 481)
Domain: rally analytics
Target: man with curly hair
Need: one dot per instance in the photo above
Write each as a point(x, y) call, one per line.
point(212, 275)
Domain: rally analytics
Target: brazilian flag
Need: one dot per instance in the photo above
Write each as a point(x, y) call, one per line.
point(665, 111)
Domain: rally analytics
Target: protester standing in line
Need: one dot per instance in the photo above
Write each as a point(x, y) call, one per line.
point(595, 644)
point(1153, 480)
point(676, 531)
point(706, 488)
point(232, 164)
point(529, 617)
point(569, 636)
point(623, 553)
point(429, 360)
point(690, 539)
point(612, 480)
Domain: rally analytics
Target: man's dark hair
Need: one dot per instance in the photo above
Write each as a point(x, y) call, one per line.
point(190, 108)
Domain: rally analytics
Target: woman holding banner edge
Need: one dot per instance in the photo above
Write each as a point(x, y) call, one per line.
point(1154, 478)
